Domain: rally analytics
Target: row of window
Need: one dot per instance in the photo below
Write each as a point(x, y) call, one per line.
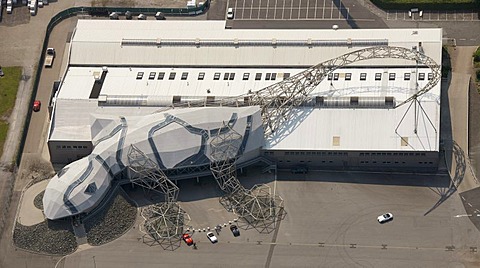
point(378, 76)
point(71, 147)
point(346, 154)
point(400, 154)
point(396, 162)
point(216, 76)
point(323, 161)
point(318, 153)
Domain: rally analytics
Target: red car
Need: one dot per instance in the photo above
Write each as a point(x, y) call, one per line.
point(188, 239)
point(36, 105)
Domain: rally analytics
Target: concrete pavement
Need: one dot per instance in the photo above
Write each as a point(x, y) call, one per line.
point(28, 214)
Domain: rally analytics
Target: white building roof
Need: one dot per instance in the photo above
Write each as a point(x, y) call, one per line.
point(353, 129)
point(138, 43)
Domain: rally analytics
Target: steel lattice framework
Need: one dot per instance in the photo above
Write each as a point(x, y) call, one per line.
point(147, 174)
point(257, 207)
point(163, 223)
point(223, 156)
point(278, 100)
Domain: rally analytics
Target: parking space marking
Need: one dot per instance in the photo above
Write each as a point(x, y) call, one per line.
point(323, 9)
point(433, 15)
point(288, 10)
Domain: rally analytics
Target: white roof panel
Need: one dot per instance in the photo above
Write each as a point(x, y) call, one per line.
point(99, 42)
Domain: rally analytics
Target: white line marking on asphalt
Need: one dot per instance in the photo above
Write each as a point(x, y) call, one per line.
point(306, 15)
point(323, 10)
point(268, 4)
point(299, 7)
point(463, 215)
point(331, 12)
point(469, 204)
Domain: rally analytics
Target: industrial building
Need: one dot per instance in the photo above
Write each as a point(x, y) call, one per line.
point(127, 79)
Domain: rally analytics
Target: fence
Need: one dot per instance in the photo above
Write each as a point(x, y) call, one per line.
point(92, 11)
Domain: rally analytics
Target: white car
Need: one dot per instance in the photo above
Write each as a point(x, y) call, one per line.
point(212, 237)
point(385, 217)
point(230, 13)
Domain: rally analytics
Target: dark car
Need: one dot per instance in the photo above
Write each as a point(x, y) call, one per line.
point(299, 170)
point(1, 72)
point(235, 230)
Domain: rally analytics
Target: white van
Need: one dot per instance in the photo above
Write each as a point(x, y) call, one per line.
point(230, 13)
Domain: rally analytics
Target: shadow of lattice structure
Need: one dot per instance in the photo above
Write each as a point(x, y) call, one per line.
point(459, 160)
point(164, 225)
point(256, 208)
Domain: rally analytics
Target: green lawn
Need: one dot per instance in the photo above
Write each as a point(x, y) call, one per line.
point(8, 94)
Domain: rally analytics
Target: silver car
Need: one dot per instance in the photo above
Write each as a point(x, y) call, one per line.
point(385, 217)
point(212, 237)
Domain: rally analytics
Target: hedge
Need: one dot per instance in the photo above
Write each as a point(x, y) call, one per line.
point(428, 4)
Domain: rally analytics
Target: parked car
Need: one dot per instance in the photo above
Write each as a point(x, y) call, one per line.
point(36, 105)
point(1, 72)
point(299, 170)
point(385, 217)
point(188, 239)
point(230, 13)
point(235, 230)
point(212, 237)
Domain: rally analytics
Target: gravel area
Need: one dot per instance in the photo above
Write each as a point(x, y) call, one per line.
point(48, 237)
point(38, 201)
point(111, 222)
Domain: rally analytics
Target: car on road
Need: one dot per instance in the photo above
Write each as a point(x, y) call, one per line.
point(212, 237)
point(36, 105)
point(235, 230)
point(385, 217)
point(188, 239)
point(230, 13)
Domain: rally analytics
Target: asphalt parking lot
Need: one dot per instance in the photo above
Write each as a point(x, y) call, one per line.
point(330, 222)
point(434, 15)
point(289, 9)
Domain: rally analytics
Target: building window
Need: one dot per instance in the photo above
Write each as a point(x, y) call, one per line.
point(335, 76)
point(139, 75)
point(258, 76)
point(225, 76)
point(201, 76)
point(172, 76)
point(184, 76)
point(391, 76)
point(330, 76)
point(378, 76)
point(406, 76)
point(246, 76)
point(267, 76)
point(216, 76)
point(363, 76)
point(274, 76)
point(161, 75)
point(152, 75)
point(430, 76)
point(286, 75)
point(421, 76)
point(232, 76)
point(348, 76)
